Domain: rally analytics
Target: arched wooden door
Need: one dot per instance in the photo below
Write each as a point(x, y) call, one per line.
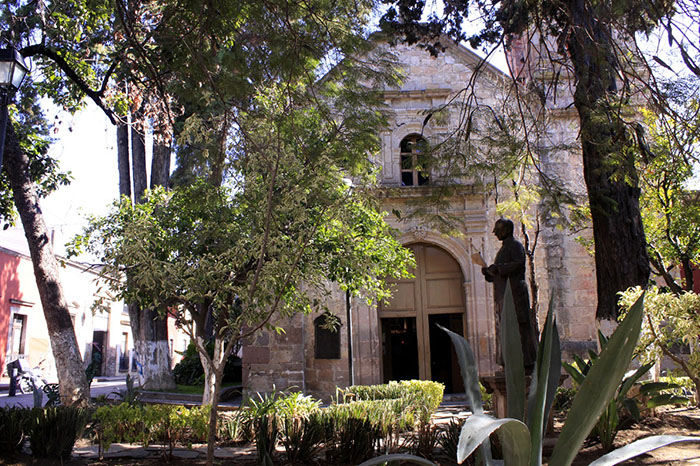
point(412, 345)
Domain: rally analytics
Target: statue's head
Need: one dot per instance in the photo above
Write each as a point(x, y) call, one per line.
point(503, 228)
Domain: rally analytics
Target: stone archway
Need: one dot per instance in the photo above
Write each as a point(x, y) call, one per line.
point(413, 347)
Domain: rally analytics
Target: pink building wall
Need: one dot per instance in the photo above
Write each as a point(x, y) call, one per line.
point(18, 290)
point(19, 295)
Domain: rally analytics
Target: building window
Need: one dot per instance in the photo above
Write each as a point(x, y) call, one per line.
point(124, 353)
point(327, 341)
point(413, 151)
point(17, 337)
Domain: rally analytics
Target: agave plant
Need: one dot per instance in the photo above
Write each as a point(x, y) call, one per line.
point(623, 409)
point(522, 432)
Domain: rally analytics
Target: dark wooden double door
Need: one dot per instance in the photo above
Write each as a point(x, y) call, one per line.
point(413, 346)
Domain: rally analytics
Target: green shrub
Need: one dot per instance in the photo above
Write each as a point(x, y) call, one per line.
point(169, 425)
point(53, 431)
point(623, 409)
point(12, 428)
point(423, 440)
point(266, 435)
point(291, 405)
point(686, 387)
point(295, 404)
point(349, 440)
point(302, 436)
point(486, 397)
point(164, 424)
point(421, 397)
point(449, 440)
point(119, 423)
point(189, 370)
point(563, 399)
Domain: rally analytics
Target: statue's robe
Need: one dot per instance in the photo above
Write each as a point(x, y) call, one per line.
point(510, 265)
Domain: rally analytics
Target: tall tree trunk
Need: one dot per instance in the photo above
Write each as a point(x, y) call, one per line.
point(688, 284)
point(150, 333)
point(123, 159)
point(608, 162)
point(214, 373)
point(160, 165)
point(138, 155)
point(149, 329)
point(73, 386)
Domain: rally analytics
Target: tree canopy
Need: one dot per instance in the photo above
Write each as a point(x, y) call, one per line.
point(594, 48)
point(670, 210)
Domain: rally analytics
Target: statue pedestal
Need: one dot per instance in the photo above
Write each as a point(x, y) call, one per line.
point(496, 386)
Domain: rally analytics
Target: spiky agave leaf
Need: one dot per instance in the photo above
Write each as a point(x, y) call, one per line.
point(513, 358)
point(470, 376)
point(514, 435)
point(402, 457)
point(640, 447)
point(599, 386)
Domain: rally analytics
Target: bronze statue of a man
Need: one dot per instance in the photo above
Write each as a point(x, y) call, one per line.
point(510, 264)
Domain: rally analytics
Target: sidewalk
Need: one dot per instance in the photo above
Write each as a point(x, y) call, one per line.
point(100, 386)
point(107, 386)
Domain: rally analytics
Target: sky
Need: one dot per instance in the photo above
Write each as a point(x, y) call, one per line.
point(85, 145)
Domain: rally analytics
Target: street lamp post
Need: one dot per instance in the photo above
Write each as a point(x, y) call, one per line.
point(12, 72)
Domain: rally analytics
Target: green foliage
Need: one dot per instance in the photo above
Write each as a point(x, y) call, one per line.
point(670, 321)
point(350, 439)
point(294, 419)
point(80, 32)
point(486, 397)
point(53, 431)
point(167, 425)
point(596, 391)
point(284, 407)
point(670, 211)
point(301, 436)
point(34, 139)
point(622, 408)
point(12, 427)
point(266, 431)
point(381, 414)
point(449, 440)
point(240, 255)
point(189, 370)
point(423, 440)
point(563, 399)
point(351, 428)
point(423, 395)
point(685, 384)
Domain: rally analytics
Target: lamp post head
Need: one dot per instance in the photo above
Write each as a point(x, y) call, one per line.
point(12, 69)
point(12, 72)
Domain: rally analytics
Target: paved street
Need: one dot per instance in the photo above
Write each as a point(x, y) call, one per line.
point(101, 386)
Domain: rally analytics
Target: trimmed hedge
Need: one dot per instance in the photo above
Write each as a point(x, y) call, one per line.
point(148, 424)
point(420, 397)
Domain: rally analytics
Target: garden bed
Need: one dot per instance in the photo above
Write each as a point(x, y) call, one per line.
point(675, 421)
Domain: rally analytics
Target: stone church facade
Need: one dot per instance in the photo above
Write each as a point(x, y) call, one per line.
point(399, 340)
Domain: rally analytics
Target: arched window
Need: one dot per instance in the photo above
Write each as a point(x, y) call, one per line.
point(413, 151)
